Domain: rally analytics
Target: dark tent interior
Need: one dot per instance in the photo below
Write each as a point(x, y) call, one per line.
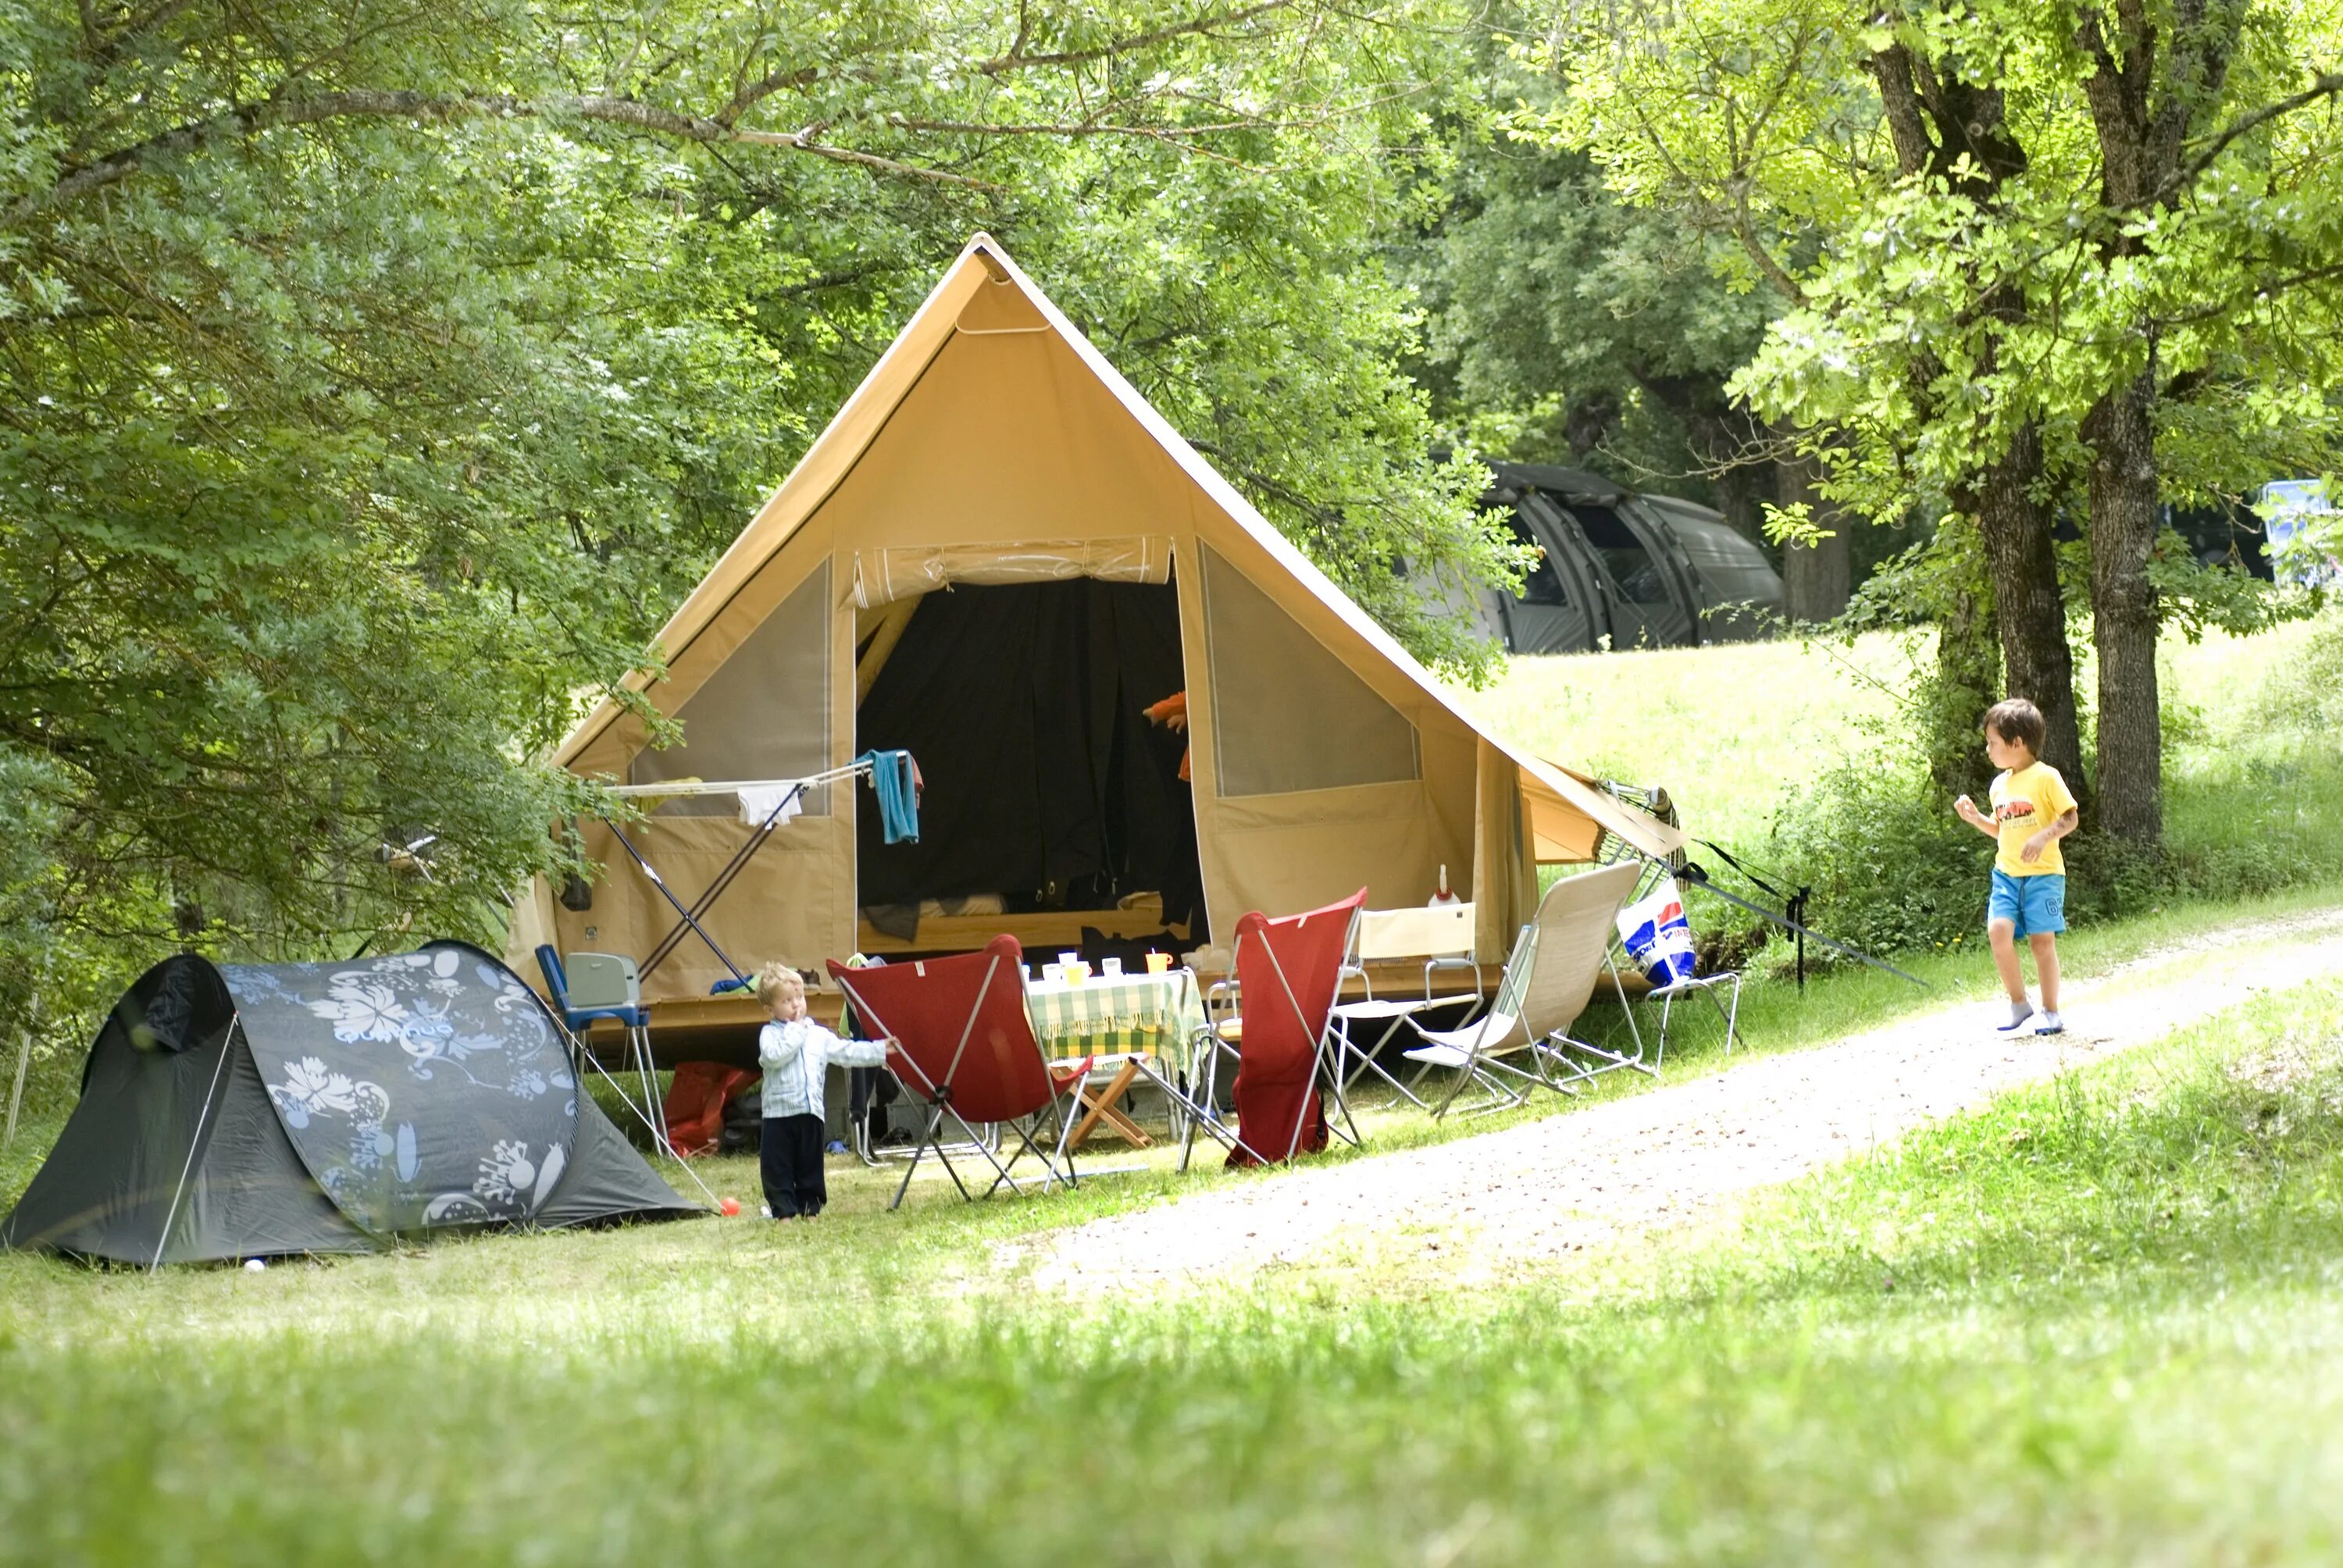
point(1046, 783)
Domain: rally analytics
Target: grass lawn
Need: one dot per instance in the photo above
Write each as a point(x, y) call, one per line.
point(2082, 1325)
point(2002, 1342)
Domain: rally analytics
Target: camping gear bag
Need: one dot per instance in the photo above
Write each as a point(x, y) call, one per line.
point(1656, 935)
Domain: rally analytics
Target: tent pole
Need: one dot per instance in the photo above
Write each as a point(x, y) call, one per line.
point(714, 891)
point(171, 1216)
point(657, 1134)
point(16, 1090)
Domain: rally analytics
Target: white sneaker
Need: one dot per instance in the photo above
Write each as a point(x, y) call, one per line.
point(2050, 1023)
point(2019, 1017)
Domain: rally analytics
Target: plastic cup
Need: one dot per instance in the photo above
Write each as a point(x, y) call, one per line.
point(1077, 972)
point(1053, 973)
point(1111, 968)
point(1158, 963)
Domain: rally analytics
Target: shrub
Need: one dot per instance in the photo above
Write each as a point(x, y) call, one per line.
point(1891, 867)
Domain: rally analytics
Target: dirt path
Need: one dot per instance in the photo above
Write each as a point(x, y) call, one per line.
point(1542, 1190)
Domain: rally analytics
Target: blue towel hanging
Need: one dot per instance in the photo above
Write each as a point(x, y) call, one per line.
point(899, 804)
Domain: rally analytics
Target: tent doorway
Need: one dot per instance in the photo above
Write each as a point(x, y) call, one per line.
point(1049, 792)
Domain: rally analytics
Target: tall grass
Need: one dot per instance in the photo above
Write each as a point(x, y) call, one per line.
point(1787, 754)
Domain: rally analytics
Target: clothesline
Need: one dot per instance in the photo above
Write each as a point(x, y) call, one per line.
point(683, 787)
point(765, 805)
point(764, 802)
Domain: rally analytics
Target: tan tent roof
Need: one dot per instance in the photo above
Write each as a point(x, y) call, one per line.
point(1563, 813)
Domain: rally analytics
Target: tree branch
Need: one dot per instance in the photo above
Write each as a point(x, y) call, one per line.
point(1017, 60)
point(2327, 85)
point(365, 103)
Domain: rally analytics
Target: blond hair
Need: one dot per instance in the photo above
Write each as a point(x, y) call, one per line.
point(775, 980)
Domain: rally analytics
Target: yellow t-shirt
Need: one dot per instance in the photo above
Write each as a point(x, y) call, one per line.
point(2025, 802)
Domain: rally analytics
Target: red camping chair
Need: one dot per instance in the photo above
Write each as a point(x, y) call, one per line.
point(1288, 972)
point(963, 1043)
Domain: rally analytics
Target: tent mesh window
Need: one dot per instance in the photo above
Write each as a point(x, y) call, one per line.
point(764, 714)
point(1287, 714)
point(1541, 584)
point(1631, 565)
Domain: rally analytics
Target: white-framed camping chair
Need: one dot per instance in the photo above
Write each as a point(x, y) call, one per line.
point(1592, 1060)
point(1439, 934)
point(1548, 982)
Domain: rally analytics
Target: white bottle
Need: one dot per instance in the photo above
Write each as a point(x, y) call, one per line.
point(1445, 895)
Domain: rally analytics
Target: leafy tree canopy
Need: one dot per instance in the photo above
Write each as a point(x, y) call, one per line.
point(373, 378)
point(2031, 255)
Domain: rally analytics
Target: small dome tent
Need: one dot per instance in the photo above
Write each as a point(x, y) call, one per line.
point(1646, 571)
point(246, 1110)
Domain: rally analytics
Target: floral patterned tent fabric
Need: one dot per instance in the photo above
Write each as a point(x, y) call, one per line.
point(261, 1109)
point(420, 1089)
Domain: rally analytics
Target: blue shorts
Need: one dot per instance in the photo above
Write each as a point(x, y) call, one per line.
point(2036, 905)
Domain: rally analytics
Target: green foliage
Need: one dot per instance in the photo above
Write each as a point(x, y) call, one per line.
point(1893, 871)
point(2023, 253)
point(2253, 790)
point(1565, 325)
point(1933, 309)
point(374, 380)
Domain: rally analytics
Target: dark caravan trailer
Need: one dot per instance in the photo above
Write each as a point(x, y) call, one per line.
point(1642, 571)
point(255, 1111)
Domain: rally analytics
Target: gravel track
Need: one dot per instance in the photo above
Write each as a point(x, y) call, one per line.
point(1539, 1191)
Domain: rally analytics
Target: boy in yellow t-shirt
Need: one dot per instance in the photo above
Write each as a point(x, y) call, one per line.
point(2032, 811)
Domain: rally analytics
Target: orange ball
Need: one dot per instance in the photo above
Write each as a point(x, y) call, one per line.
point(730, 1206)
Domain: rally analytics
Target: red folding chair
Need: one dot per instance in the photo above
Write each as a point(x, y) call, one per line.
point(1288, 972)
point(962, 1042)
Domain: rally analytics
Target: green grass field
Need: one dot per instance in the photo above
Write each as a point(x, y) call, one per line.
point(2084, 1324)
point(2073, 1327)
point(1734, 731)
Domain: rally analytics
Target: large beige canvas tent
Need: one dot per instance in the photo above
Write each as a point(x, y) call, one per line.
point(993, 448)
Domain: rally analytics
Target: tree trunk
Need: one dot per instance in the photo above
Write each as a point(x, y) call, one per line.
point(1816, 578)
point(2120, 428)
point(1966, 679)
point(2029, 613)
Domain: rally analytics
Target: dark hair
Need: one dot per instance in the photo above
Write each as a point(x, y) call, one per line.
point(2018, 720)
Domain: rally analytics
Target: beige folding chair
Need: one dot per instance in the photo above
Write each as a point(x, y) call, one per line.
point(1548, 982)
point(1439, 934)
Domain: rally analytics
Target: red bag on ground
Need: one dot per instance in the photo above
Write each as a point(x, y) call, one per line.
point(694, 1112)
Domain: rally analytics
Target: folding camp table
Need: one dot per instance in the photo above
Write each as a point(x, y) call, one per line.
point(1119, 1022)
point(765, 805)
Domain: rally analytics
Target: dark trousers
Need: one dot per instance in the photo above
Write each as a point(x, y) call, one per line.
point(788, 1158)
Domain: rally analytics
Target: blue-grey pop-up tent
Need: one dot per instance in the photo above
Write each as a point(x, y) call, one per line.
point(246, 1110)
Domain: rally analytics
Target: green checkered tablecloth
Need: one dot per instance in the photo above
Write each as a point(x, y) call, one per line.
point(1154, 1014)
